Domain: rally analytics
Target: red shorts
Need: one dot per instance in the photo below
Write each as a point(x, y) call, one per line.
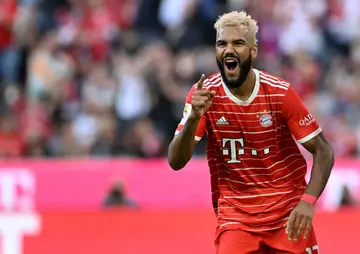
point(268, 242)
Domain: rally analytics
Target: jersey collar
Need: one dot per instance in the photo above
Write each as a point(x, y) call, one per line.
point(252, 96)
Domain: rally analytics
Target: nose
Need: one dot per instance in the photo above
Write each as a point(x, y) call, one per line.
point(229, 49)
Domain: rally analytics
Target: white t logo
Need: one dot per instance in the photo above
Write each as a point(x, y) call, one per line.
point(14, 227)
point(232, 150)
point(17, 215)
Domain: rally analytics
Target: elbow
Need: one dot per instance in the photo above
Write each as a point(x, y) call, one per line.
point(175, 167)
point(174, 163)
point(178, 157)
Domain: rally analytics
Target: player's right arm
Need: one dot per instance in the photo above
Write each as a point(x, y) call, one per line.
point(192, 126)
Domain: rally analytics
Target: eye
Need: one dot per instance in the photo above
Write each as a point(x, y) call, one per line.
point(239, 43)
point(221, 44)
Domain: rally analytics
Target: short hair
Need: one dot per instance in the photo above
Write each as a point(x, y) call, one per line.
point(239, 18)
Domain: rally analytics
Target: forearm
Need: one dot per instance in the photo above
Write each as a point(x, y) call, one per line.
point(182, 147)
point(323, 162)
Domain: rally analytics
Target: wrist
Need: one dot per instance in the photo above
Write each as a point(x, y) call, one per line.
point(309, 199)
point(194, 117)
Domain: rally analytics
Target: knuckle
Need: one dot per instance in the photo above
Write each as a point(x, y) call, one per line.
point(195, 105)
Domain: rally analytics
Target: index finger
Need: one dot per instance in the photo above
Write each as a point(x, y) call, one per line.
point(200, 82)
point(301, 228)
point(289, 224)
point(308, 229)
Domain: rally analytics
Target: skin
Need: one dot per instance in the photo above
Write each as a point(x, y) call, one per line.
point(182, 147)
point(233, 41)
point(323, 161)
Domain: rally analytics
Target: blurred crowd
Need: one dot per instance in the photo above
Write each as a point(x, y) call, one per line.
point(109, 77)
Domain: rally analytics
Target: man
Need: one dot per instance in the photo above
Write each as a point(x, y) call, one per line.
point(116, 197)
point(259, 193)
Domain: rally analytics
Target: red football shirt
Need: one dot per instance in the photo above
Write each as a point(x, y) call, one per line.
point(257, 171)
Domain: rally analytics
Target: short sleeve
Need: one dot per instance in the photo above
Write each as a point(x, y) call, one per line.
point(200, 131)
point(300, 121)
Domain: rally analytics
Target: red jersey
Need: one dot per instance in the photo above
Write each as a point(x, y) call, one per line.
point(257, 171)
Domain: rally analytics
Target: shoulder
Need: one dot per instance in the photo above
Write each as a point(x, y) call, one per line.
point(212, 82)
point(273, 84)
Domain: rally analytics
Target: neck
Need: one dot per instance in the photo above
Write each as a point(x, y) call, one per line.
point(244, 92)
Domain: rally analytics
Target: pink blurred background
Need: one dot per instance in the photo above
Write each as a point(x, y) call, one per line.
point(58, 206)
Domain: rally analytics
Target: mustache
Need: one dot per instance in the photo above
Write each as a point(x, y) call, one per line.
point(230, 55)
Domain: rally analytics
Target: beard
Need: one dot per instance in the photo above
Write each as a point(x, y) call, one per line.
point(245, 68)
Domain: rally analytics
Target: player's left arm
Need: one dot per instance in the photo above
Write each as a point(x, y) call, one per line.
point(323, 162)
point(308, 132)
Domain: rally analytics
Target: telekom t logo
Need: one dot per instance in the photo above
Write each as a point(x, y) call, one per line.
point(17, 215)
point(235, 148)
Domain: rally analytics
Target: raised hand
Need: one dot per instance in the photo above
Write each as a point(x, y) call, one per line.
point(201, 99)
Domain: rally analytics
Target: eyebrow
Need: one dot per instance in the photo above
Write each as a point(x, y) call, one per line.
point(233, 41)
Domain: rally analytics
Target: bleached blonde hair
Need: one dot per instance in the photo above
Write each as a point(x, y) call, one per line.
point(239, 18)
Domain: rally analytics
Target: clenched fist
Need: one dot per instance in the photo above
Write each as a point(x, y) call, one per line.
point(201, 99)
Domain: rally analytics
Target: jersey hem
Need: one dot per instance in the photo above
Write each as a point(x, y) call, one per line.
point(238, 226)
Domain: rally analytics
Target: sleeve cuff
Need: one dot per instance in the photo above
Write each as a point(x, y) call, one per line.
point(310, 136)
point(197, 138)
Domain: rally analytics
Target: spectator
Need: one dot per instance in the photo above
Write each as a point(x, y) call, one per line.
point(9, 54)
point(346, 198)
point(11, 142)
point(116, 197)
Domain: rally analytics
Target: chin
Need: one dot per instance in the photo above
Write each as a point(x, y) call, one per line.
point(232, 77)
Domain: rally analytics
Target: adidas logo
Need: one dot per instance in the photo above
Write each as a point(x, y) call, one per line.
point(222, 121)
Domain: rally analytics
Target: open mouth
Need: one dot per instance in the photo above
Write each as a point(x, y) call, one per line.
point(231, 64)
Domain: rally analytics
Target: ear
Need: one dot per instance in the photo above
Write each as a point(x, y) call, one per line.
point(254, 51)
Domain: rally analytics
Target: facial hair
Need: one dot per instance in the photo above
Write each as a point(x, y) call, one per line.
point(245, 68)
